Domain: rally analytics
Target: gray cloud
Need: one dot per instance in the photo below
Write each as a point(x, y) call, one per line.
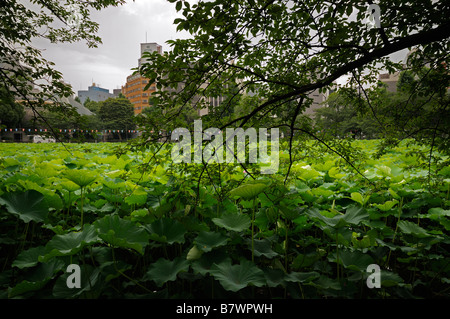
point(122, 29)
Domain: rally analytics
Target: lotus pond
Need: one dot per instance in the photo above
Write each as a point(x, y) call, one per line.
point(140, 226)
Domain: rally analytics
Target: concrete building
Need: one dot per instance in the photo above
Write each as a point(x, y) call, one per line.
point(318, 101)
point(117, 92)
point(94, 93)
point(391, 80)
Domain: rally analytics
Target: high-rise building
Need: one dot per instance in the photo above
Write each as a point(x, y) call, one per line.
point(134, 91)
point(134, 87)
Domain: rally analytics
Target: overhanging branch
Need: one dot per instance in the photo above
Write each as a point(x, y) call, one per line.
point(421, 38)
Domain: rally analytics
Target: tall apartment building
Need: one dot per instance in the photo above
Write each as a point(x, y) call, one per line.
point(134, 92)
point(134, 87)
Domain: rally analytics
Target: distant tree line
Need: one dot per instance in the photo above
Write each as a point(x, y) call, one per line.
point(418, 108)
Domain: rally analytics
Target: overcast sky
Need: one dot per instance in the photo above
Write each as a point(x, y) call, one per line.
point(122, 29)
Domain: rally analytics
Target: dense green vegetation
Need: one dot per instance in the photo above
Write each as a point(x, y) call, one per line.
point(140, 226)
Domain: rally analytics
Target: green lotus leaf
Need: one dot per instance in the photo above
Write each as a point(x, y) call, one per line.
point(167, 230)
point(234, 222)
point(305, 172)
point(436, 213)
point(248, 191)
point(389, 279)
point(136, 199)
point(37, 279)
point(387, 205)
point(237, 277)
point(45, 170)
point(412, 228)
point(355, 260)
point(89, 278)
point(354, 215)
point(165, 270)
point(334, 173)
point(263, 247)
point(357, 197)
point(319, 191)
point(302, 276)
point(383, 170)
point(28, 206)
point(274, 277)
point(29, 258)
point(69, 186)
point(26, 286)
point(81, 177)
point(206, 241)
point(122, 233)
point(113, 183)
point(71, 243)
point(204, 265)
point(325, 282)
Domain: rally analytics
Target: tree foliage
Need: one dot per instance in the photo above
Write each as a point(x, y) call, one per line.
point(24, 72)
point(11, 113)
point(284, 50)
point(116, 113)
